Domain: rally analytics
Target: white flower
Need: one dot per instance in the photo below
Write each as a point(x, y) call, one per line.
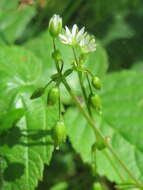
point(87, 43)
point(55, 25)
point(72, 37)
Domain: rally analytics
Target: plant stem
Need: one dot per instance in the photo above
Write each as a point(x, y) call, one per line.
point(59, 103)
point(57, 65)
point(82, 85)
point(48, 84)
point(89, 83)
point(98, 133)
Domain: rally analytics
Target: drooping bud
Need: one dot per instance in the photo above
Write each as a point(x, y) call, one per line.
point(95, 102)
point(59, 133)
point(55, 26)
point(96, 82)
point(37, 93)
point(53, 96)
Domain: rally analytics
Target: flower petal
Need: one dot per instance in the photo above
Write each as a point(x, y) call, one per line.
point(67, 31)
point(80, 33)
point(74, 30)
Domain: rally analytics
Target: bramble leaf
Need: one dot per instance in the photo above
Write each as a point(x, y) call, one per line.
point(13, 20)
point(121, 121)
point(26, 146)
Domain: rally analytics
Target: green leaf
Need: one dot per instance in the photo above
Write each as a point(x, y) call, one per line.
point(13, 20)
point(60, 186)
point(8, 5)
point(27, 146)
point(122, 122)
point(137, 66)
point(80, 133)
point(10, 118)
point(122, 108)
point(119, 29)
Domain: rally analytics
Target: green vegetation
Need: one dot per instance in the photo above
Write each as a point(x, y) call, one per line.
point(71, 104)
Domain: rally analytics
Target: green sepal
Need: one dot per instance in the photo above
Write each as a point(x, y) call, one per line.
point(55, 77)
point(53, 96)
point(68, 72)
point(59, 133)
point(37, 93)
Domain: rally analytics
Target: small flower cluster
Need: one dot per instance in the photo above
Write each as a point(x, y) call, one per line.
point(73, 37)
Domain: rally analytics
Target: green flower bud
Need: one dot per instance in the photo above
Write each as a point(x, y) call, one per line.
point(53, 96)
point(95, 102)
point(37, 93)
point(57, 55)
point(59, 133)
point(55, 26)
point(96, 82)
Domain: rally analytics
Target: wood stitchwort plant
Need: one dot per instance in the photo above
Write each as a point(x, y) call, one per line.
point(68, 118)
point(82, 44)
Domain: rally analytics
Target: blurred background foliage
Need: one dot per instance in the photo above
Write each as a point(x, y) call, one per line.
point(117, 25)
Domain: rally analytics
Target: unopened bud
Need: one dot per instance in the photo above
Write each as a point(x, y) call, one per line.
point(95, 102)
point(59, 133)
point(55, 26)
point(53, 96)
point(96, 82)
